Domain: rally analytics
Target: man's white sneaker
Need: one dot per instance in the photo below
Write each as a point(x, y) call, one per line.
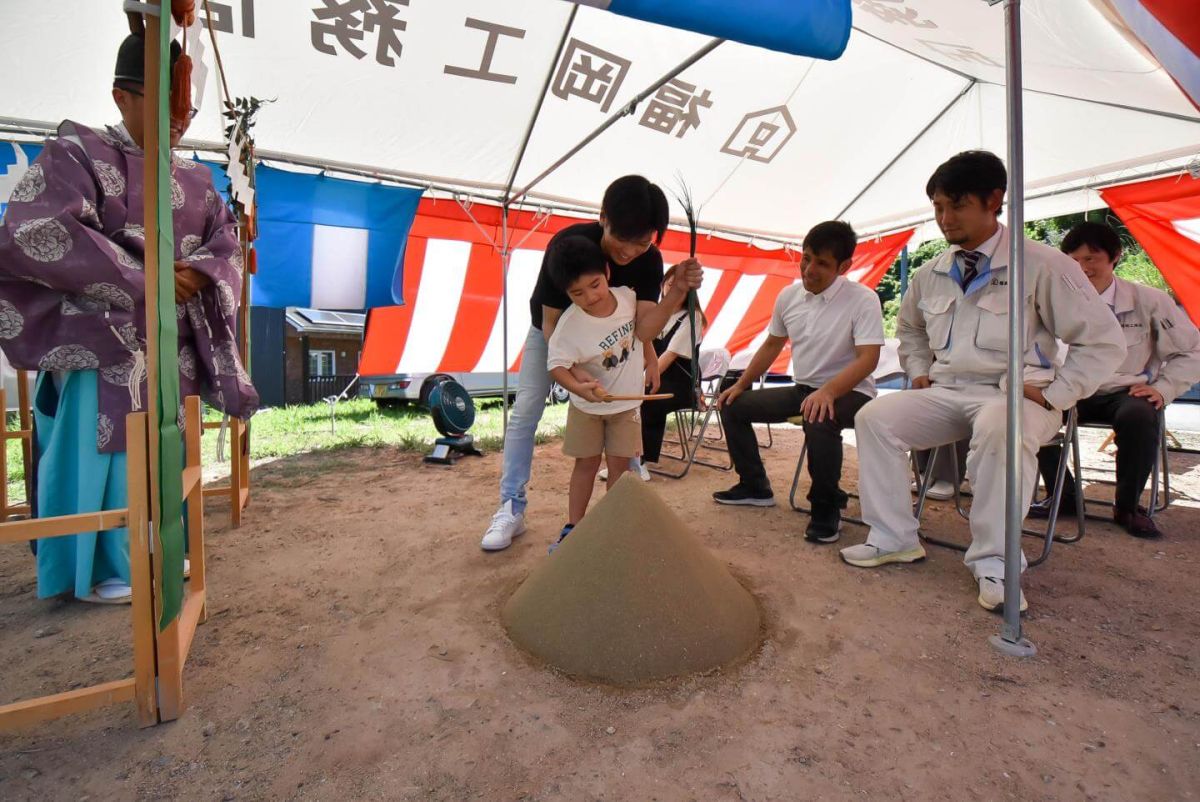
point(505, 525)
point(939, 490)
point(991, 594)
point(864, 555)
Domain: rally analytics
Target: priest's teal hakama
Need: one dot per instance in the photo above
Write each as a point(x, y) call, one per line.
point(75, 477)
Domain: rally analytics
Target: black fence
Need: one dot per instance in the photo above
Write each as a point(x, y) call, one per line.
point(318, 388)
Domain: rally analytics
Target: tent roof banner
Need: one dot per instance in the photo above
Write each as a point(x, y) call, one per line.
point(769, 143)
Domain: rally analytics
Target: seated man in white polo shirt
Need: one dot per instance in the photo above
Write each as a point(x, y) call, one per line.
point(836, 330)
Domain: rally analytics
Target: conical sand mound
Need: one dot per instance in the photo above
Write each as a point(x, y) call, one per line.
point(632, 596)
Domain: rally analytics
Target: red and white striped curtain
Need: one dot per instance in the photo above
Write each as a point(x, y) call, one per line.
point(1164, 216)
point(452, 321)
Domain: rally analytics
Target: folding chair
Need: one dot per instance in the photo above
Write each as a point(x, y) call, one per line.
point(887, 370)
point(798, 420)
point(1159, 501)
point(691, 426)
point(738, 366)
point(1068, 436)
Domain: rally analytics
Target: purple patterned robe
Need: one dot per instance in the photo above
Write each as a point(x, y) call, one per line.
point(72, 290)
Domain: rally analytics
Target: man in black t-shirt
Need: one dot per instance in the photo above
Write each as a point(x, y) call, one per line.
point(633, 219)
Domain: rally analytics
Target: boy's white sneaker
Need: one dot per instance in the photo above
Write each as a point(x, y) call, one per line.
point(505, 525)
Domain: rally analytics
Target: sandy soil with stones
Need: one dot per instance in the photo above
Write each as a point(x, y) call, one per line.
point(354, 652)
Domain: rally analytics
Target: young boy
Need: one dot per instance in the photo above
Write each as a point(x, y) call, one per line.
point(594, 352)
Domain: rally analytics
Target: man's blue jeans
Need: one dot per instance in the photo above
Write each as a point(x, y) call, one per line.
point(533, 385)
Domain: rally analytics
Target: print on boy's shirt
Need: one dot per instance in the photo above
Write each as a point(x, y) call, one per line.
point(608, 346)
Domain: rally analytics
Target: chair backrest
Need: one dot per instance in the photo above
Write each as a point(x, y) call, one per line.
point(741, 360)
point(714, 362)
point(889, 362)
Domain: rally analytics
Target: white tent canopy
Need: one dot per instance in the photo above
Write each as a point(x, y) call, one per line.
point(444, 93)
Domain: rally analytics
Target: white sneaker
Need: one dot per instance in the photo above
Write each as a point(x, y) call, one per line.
point(643, 472)
point(110, 591)
point(504, 527)
point(864, 555)
point(602, 475)
point(940, 490)
point(991, 594)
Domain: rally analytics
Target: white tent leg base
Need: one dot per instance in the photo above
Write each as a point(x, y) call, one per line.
point(1022, 648)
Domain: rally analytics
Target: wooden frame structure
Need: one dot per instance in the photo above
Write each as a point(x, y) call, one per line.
point(238, 489)
point(156, 687)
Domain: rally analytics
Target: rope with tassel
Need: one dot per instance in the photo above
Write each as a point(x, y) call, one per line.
point(184, 14)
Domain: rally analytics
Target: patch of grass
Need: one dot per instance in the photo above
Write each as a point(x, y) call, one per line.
point(16, 464)
point(358, 423)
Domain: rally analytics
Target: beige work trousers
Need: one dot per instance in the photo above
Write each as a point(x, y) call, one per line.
point(890, 426)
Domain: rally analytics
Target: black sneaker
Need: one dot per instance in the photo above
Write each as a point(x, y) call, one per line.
point(824, 526)
point(1041, 509)
point(741, 495)
point(566, 530)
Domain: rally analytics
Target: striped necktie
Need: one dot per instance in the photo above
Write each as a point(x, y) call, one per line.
point(970, 262)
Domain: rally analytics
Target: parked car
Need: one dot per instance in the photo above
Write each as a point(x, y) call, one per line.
point(402, 388)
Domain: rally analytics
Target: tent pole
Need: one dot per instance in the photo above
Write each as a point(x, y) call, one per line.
point(628, 108)
point(505, 254)
point(1010, 640)
point(903, 271)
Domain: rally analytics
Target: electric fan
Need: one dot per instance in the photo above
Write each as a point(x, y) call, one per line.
point(453, 412)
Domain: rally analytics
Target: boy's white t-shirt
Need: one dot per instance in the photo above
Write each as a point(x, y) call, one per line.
point(606, 348)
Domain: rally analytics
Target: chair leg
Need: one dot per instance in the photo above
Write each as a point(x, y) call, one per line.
point(796, 480)
point(679, 439)
point(926, 479)
point(1070, 438)
point(698, 444)
point(1158, 502)
point(850, 519)
point(691, 443)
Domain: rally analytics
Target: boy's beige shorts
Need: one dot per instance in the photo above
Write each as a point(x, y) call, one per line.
point(617, 435)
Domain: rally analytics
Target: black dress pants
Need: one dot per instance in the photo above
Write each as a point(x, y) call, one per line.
point(1135, 422)
point(677, 379)
point(824, 439)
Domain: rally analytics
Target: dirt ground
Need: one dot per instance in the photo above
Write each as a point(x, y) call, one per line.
point(354, 651)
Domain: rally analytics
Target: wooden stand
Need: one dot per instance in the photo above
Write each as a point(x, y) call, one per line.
point(156, 687)
point(140, 687)
point(25, 435)
point(238, 489)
